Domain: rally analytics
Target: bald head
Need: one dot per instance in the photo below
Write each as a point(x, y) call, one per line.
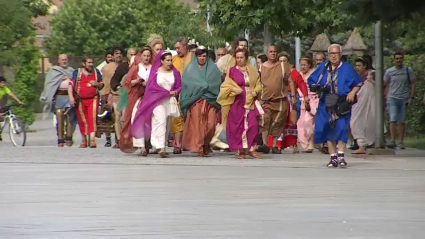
point(63, 61)
point(131, 52)
point(220, 53)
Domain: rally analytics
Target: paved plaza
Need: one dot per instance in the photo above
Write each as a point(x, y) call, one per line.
point(47, 192)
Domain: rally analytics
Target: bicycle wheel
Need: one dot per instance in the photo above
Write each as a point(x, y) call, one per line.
point(17, 133)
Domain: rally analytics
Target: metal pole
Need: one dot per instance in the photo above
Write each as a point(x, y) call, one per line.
point(246, 33)
point(208, 21)
point(379, 86)
point(297, 53)
point(268, 37)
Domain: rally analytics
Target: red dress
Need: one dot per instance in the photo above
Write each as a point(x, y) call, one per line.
point(88, 104)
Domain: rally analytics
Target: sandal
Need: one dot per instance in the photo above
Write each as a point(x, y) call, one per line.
point(254, 154)
point(241, 155)
point(201, 153)
point(83, 143)
point(60, 143)
point(162, 153)
point(144, 153)
point(108, 144)
point(275, 150)
point(177, 150)
point(93, 144)
point(361, 150)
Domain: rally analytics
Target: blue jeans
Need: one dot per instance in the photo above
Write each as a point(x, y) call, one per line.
point(397, 110)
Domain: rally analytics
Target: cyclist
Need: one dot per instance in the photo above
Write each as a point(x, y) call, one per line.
point(6, 91)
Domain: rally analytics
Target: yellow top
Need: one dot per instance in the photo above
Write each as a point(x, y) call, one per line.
point(180, 63)
point(227, 96)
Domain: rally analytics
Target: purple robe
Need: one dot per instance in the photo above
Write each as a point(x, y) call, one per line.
point(154, 95)
point(242, 125)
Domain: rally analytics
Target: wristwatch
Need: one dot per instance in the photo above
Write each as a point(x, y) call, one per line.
point(412, 97)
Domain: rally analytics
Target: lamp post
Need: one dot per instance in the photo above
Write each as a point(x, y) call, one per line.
point(297, 53)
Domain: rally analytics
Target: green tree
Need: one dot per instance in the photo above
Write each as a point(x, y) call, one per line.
point(82, 27)
point(302, 17)
point(18, 51)
point(15, 26)
point(26, 80)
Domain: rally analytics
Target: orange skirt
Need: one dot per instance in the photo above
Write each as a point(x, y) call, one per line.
point(199, 127)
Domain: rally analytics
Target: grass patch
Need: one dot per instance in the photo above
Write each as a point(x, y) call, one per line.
point(417, 143)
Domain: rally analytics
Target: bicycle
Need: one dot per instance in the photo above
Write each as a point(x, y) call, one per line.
point(16, 126)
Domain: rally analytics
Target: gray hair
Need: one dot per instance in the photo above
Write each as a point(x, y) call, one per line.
point(335, 45)
point(182, 40)
point(62, 55)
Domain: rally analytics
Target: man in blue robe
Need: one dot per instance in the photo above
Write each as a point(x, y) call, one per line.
point(339, 83)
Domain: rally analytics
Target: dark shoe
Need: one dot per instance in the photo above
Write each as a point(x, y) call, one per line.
point(341, 160)
point(355, 146)
point(276, 151)
point(392, 145)
point(108, 142)
point(333, 163)
point(263, 149)
point(177, 150)
point(207, 150)
point(401, 145)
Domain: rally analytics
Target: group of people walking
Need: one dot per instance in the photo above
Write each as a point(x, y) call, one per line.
point(235, 103)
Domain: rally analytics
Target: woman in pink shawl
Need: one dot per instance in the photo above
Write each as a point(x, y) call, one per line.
point(163, 86)
point(305, 123)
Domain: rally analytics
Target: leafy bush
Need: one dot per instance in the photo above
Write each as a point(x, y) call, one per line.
point(25, 83)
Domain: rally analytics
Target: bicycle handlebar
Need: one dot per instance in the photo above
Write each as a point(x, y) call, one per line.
point(7, 107)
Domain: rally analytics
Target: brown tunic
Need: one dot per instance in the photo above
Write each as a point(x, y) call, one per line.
point(199, 127)
point(107, 73)
point(275, 82)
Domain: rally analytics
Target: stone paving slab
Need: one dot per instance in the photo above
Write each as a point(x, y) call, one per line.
point(50, 192)
point(139, 201)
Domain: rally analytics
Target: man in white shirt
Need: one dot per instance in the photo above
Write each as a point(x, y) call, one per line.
point(108, 58)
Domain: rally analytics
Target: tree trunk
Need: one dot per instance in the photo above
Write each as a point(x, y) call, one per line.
point(268, 37)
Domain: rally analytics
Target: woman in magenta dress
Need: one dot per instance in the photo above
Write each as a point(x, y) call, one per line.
point(240, 112)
